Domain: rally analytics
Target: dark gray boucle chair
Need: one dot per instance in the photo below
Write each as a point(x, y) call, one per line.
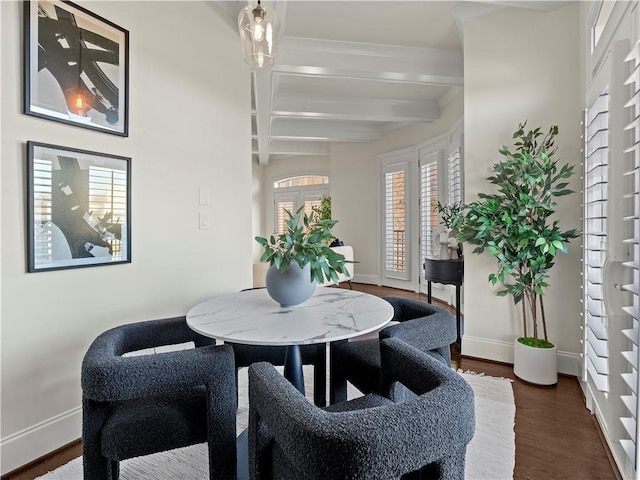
point(138, 405)
point(427, 327)
point(369, 438)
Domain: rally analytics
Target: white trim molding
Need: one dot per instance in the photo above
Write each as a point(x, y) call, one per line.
point(33, 442)
point(366, 278)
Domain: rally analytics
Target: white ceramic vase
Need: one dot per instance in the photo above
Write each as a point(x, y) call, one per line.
point(535, 365)
point(292, 287)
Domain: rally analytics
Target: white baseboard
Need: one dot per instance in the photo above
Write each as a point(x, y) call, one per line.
point(568, 363)
point(34, 442)
point(368, 279)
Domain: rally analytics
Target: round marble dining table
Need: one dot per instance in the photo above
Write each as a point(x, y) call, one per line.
point(251, 317)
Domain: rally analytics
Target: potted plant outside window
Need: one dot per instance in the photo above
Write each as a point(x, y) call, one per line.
point(514, 225)
point(300, 257)
point(323, 211)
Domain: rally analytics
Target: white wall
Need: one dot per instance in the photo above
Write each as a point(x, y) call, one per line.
point(189, 128)
point(355, 189)
point(522, 65)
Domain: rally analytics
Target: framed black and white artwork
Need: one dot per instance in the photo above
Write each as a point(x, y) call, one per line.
point(78, 208)
point(76, 67)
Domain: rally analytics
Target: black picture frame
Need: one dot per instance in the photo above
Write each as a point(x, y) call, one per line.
point(78, 208)
point(76, 67)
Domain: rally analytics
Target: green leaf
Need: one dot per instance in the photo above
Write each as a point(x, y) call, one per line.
point(561, 193)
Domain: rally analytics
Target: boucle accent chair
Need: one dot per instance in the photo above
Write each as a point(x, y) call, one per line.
point(371, 437)
point(427, 327)
point(138, 405)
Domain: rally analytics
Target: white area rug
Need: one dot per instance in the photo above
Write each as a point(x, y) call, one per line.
point(490, 455)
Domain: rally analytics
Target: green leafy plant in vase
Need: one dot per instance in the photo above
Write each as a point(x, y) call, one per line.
point(514, 225)
point(303, 245)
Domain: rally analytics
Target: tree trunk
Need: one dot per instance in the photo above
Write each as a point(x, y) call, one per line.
point(524, 316)
point(544, 319)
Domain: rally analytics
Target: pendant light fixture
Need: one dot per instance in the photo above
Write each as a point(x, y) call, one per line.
point(259, 31)
point(78, 101)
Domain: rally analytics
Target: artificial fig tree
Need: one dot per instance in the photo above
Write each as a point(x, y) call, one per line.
point(515, 224)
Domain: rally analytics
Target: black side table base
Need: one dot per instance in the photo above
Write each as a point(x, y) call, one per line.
point(447, 272)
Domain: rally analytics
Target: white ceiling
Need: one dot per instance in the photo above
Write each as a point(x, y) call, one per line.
point(347, 71)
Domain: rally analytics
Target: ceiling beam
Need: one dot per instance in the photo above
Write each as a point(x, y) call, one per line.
point(263, 96)
point(352, 108)
point(385, 63)
point(309, 129)
point(290, 148)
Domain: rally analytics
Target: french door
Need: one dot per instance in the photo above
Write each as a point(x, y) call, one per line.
point(292, 200)
point(397, 174)
point(611, 233)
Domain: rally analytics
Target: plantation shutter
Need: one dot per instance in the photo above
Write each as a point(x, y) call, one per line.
point(311, 199)
point(428, 202)
point(283, 202)
point(295, 192)
point(596, 151)
point(395, 221)
point(455, 177)
point(632, 197)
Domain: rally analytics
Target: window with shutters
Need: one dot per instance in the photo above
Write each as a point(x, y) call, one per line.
point(441, 180)
point(412, 182)
point(395, 222)
point(595, 241)
point(396, 196)
point(302, 181)
point(455, 176)
point(428, 202)
point(294, 192)
point(631, 208)
point(611, 233)
point(283, 204)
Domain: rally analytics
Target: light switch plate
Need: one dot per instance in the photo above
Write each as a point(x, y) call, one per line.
point(204, 195)
point(204, 221)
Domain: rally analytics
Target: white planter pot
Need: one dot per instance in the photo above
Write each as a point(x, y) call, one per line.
point(535, 365)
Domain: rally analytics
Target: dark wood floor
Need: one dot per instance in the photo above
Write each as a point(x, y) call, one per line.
point(556, 436)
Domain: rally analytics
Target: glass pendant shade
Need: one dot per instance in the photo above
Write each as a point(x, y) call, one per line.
point(259, 31)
